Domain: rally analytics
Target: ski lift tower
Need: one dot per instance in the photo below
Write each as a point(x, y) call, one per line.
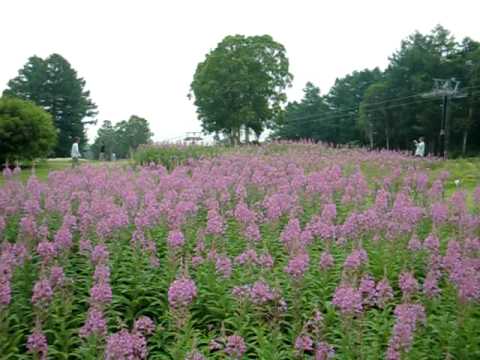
point(447, 89)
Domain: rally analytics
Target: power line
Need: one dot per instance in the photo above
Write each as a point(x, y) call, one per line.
point(336, 114)
point(372, 105)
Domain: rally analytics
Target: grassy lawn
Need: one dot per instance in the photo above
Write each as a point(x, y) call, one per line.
point(43, 168)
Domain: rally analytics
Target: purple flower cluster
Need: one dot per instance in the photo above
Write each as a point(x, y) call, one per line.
point(95, 324)
point(258, 293)
point(356, 259)
point(181, 293)
point(124, 345)
point(37, 344)
point(407, 317)
point(297, 266)
point(235, 346)
point(408, 284)
point(348, 300)
point(175, 239)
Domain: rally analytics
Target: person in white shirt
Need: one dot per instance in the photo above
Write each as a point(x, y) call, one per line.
point(420, 147)
point(75, 153)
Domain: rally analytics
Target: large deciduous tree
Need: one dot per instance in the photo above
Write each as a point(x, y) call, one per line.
point(54, 85)
point(241, 84)
point(26, 130)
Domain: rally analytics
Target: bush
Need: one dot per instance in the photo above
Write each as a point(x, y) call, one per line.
point(171, 155)
point(26, 130)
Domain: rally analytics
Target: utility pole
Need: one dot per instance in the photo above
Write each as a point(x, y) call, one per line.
point(446, 89)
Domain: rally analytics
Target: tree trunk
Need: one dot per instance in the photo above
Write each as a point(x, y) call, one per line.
point(247, 134)
point(387, 137)
point(370, 134)
point(464, 142)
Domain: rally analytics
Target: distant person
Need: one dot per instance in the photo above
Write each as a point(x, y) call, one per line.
point(75, 153)
point(102, 153)
point(114, 156)
point(419, 147)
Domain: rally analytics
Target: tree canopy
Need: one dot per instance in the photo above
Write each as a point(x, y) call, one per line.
point(55, 86)
point(123, 137)
point(388, 109)
point(26, 130)
point(241, 84)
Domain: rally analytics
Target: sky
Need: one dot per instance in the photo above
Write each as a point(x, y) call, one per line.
point(138, 57)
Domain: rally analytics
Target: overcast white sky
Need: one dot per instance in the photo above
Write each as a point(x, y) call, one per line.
point(139, 57)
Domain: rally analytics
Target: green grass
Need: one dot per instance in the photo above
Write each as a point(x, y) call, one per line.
point(44, 167)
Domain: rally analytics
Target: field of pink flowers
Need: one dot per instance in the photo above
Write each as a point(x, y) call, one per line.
point(276, 252)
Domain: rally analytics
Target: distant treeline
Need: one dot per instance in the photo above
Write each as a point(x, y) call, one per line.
point(389, 109)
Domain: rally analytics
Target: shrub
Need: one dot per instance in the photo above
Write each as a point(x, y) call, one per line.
point(171, 155)
point(26, 130)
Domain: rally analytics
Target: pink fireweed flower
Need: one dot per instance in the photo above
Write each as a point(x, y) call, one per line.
point(101, 274)
point(99, 254)
point(329, 213)
point(265, 261)
point(439, 213)
point(235, 346)
point(304, 343)
point(175, 239)
point(252, 232)
point(261, 293)
point(5, 292)
point(384, 293)
point(223, 266)
point(348, 300)
point(407, 317)
point(326, 260)
point(432, 243)
point(356, 259)
point(57, 276)
point(181, 293)
point(430, 285)
point(63, 238)
point(243, 214)
point(368, 290)
point(144, 325)
point(197, 260)
point(86, 247)
point(3, 224)
point(297, 266)
point(291, 233)
point(95, 324)
point(408, 284)
point(247, 257)
point(42, 292)
point(215, 223)
point(324, 351)
point(37, 344)
point(47, 250)
point(101, 293)
point(414, 244)
point(126, 346)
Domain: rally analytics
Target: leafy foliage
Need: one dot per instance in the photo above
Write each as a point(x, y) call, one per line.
point(54, 85)
point(26, 130)
point(172, 155)
point(124, 138)
point(387, 109)
point(241, 83)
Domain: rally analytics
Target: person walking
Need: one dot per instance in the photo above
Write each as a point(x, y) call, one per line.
point(420, 147)
point(75, 153)
point(102, 152)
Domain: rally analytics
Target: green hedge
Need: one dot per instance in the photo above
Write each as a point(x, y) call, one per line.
point(171, 155)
